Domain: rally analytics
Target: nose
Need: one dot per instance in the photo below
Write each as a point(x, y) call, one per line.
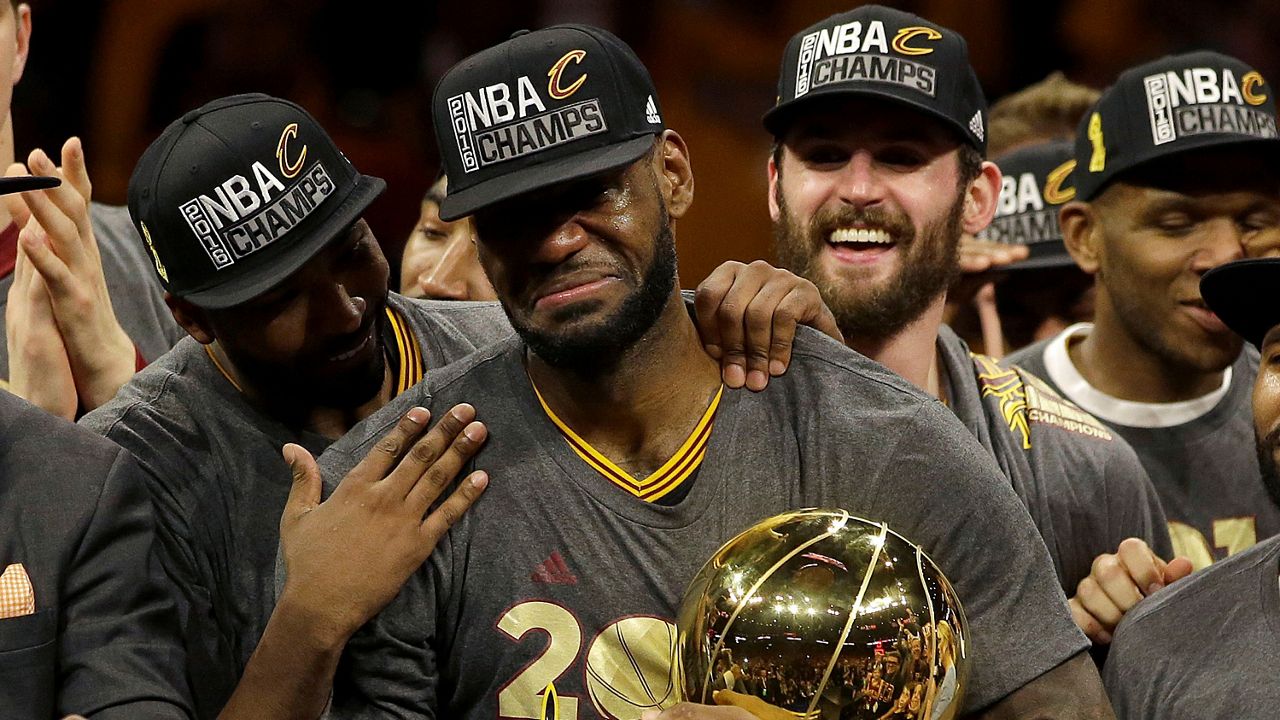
point(1222, 242)
point(346, 311)
point(446, 280)
point(859, 182)
point(560, 243)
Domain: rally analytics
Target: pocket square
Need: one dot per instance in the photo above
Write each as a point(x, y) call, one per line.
point(16, 596)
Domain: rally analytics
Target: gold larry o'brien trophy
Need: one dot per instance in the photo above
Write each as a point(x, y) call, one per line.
point(825, 616)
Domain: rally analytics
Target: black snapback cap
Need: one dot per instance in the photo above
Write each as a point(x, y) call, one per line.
point(1037, 180)
point(1168, 106)
point(541, 108)
point(235, 196)
point(881, 52)
point(1242, 295)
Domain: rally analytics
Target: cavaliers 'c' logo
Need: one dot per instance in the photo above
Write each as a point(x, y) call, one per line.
point(1249, 84)
point(1054, 193)
point(287, 168)
point(908, 34)
point(554, 88)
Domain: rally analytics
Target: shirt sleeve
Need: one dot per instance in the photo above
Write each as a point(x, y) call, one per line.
point(120, 656)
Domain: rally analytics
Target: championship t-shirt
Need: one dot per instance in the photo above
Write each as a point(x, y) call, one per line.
point(557, 581)
point(1200, 453)
point(1081, 482)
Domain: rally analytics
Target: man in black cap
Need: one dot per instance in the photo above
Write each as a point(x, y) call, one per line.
point(1175, 174)
point(85, 623)
point(1205, 647)
point(623, 461)
point(252, 219)
point(872, 183)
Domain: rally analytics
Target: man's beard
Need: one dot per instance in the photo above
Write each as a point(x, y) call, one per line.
point(597, 348)
point(929, 264)
point(1266, 448)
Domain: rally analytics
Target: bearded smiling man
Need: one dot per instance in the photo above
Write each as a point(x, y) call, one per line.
point(871, 185)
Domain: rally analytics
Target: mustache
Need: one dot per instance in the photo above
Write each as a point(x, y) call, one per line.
point(828, 219)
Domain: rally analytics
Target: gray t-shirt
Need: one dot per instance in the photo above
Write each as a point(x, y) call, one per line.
point(557, 576)
point(136, 295)
point(219, 483)
point(1205, 470)
point(1204, 647)
point(1082, 484)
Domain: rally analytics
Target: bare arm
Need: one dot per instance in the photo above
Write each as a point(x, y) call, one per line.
point(1071, 691)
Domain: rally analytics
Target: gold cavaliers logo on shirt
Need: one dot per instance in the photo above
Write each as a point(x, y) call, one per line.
point(290, 169)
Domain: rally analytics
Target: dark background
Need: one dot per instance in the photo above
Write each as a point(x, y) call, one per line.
point(116, 72)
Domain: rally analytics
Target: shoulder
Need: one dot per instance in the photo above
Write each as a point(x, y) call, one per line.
point(1031, 356)
point(169, 392)
point(479, 323)
point(842, 373)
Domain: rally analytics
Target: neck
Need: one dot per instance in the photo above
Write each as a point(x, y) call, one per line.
point(328, 422)
point(1115, 363)
point(640, 409)
point(913, 351)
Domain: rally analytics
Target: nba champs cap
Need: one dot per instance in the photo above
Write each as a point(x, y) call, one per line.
point(234, 196)
point(542, 108)
point(1037, 181)
point(881, 52)
point(1174, 104)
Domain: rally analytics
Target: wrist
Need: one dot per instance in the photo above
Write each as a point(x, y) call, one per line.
point(311, 623)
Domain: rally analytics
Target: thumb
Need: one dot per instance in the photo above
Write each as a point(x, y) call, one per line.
point(304, 495)
point(1177, 569)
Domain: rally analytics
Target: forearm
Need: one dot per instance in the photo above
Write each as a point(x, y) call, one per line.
point(1071, 691)
point(290, 674)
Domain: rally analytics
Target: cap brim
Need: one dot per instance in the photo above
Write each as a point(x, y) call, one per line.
point(1047, 254)
point(464, 202)
point(26, 183)
point(1239, 293)
point(269, 273)
point(779, 118)
point(1269, 145)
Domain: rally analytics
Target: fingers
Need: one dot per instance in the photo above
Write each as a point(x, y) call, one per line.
point(738, 327)
point(1177, 569)
point(45, 261)
point(304, 494)
point(388, 450)
point(706, 302)
point(1087, 623)
point(769, 326)
point(62, 211)
point(13, 202)
point(450, 511)
point(977, 256)
point(1141, 566)
point(440, 473)
point(74, 171)
point(421, 459)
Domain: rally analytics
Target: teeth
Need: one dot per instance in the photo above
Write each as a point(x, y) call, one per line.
point(860, 235)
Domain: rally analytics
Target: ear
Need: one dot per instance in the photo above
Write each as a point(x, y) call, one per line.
point(675, 173)
point(192, 319)
point(980, 199)
point(1082, 234)
point(775, 186)
point(22, 26)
